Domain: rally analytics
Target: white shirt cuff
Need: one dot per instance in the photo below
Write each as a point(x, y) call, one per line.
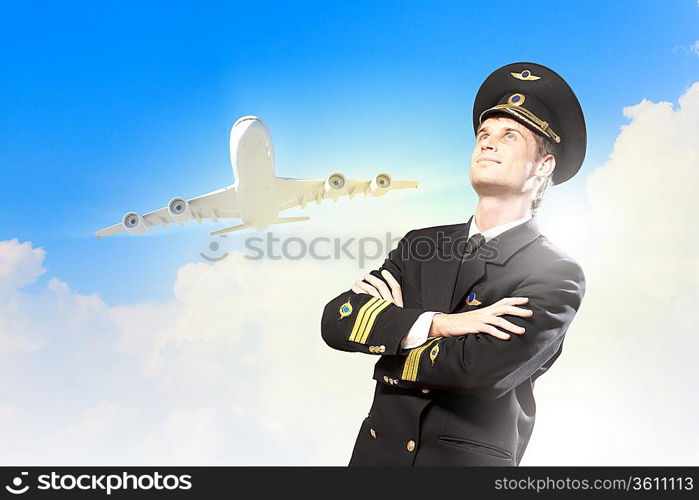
point(419, 331)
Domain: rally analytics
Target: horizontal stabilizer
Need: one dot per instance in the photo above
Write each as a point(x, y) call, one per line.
point(238, 227)
point(229, 229)
point(282, 220)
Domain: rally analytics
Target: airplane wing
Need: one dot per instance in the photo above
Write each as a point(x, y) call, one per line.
point(298, 192)
point(221, 203)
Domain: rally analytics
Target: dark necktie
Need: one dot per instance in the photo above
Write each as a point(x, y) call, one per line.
point(472, 245)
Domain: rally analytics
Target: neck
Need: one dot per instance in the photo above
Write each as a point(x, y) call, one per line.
point(493, 211)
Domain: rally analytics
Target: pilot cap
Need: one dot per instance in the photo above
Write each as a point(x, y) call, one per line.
point(541, 100)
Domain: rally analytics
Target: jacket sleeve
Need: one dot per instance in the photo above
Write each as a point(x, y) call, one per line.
point(488, 367)
point(362, 323)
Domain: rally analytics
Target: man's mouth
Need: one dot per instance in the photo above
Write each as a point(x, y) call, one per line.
point(485, 158)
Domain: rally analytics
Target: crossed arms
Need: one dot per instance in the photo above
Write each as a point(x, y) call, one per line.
point(465, 352)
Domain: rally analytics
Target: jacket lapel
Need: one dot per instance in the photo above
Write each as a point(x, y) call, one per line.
point(439, 274)
point(468, 273)
point(441, 292)
point(498, 251)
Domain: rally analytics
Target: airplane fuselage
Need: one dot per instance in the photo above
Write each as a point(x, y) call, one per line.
point(252, 158)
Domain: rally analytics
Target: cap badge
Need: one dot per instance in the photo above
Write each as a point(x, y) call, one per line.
point(515, 100)
point(525, 75)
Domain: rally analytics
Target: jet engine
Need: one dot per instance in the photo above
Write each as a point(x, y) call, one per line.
point(134, 223)
point(335, 185)
point(380, 184)
point(179, 210)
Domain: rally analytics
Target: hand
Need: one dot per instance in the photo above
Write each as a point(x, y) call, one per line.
point(482, 320)
point(379, 288)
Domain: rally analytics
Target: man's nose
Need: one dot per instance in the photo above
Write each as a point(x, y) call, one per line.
point(486, 143)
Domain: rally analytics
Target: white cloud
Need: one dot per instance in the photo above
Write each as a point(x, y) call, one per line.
point(232, 371)
point(695, 47)
point(624, 390)
point(20, 264)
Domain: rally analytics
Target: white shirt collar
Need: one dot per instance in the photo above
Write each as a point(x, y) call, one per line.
point(495, 231)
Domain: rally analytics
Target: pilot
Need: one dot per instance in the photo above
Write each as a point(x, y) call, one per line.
point(463, 318)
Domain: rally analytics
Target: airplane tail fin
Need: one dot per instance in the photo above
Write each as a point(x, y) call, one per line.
point(238, 227)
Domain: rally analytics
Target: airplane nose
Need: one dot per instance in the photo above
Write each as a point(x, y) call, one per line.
point(246, 124)
point(245, 119)
point(249, 132)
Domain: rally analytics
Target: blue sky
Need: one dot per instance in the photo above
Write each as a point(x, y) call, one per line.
point(110, 107)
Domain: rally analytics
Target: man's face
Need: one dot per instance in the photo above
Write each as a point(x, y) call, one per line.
point(504, 158)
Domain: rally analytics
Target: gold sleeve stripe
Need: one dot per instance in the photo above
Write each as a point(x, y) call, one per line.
point(412, 362)
point(409, 361)
point(372, 318)
point(360, 317)
point(367, 316)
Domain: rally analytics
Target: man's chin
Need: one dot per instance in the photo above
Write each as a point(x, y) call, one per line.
point(484, 186)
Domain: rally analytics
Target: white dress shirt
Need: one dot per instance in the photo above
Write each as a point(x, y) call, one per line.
point(421, 328)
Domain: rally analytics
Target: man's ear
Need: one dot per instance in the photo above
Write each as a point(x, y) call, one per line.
point(546, 166)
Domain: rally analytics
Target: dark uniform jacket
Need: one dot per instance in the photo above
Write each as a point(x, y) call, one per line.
point(464, 400)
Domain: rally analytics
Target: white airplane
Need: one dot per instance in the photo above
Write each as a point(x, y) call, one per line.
point(258, 195)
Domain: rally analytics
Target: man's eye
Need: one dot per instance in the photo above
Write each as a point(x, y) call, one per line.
point(509, 136)
point(484, 136)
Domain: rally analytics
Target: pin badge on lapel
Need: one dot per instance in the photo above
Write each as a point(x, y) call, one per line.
point(345, 309)
point(471, 299)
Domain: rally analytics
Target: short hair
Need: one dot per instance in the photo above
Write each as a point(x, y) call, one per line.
point(544, 146)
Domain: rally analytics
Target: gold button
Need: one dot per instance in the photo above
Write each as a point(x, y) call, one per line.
point(373, 433)
point(411, 445)
point(382, 348)
point(425, 391)
point(385, 378)
point(371, 348)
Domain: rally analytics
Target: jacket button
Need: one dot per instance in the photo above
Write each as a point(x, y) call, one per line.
point(373, 433)
point(385, 378)
point(425, 391)
point(411, 445)
point(382, 348)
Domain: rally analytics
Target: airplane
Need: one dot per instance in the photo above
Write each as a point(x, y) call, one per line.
point(258, 195)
